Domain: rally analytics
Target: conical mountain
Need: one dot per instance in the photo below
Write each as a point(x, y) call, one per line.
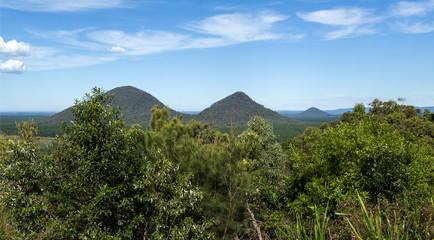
point(238, 109)
point(313, 113)
point(135, 105)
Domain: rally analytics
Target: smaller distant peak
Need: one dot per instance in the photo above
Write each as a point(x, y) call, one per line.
point(313, 112)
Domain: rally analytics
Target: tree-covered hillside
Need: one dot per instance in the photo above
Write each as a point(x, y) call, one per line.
point(366, 176)
point(237, 109)
point(135, 105)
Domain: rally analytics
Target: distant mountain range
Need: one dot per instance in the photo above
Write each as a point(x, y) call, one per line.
point(309, 113)
point(332, 113)
point(135, 104)
point(234, 110)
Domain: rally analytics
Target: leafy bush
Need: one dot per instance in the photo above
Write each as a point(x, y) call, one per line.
point(96, 185)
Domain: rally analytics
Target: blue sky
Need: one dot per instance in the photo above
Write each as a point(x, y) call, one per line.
point(286, 55)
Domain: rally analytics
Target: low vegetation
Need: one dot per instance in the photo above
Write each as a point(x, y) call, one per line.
point(366, 176)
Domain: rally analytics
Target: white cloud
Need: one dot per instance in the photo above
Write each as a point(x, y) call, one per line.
point(12, 66)
point(408, 9)
point(339, 16)
point(140, 43)
point(62, 60)
point(116, 49)
point(13, 48)
point(414, 27)
point(413, 17)
point(239, 27)
point(68, 37)
point(350, 21)
point(85, 47)
point(60, 5)
point(226, 29)
point(349, 31)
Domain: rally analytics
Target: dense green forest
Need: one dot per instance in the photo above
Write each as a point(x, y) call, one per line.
point(8, 125)
point(283, 132)
point(365, 176)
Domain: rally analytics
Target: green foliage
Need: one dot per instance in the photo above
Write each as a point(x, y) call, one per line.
point(370, 154)
point(262, 158)
point(211, 158)
point(263, 164)
point(176, 180)
point(97, 185)
point(385, 154)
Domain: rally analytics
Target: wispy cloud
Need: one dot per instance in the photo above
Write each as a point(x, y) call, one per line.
point(339, 16)
point(349, 21)
point(12, 66)
point(222, 30)
point(413, 27)
point(350, 31)
point(69, 38)
point(84, 47)
point(140, 43)
point(60, 6)
point(13, 48)
point(239, 27)
point(408, 9)
point(412, 17)
point(48, 58)
point(404, 16)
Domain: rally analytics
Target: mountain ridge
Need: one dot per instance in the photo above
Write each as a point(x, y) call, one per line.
point(135, 104)
point(235, 109)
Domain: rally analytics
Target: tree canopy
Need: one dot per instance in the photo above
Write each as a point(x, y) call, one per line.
point(175, 180)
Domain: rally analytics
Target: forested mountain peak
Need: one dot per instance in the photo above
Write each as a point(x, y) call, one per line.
point(135, 105)
point(127, 97)
point(237, 98)
point(237, 109)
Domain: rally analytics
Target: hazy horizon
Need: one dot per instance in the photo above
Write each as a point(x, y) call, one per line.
point(284, 55)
